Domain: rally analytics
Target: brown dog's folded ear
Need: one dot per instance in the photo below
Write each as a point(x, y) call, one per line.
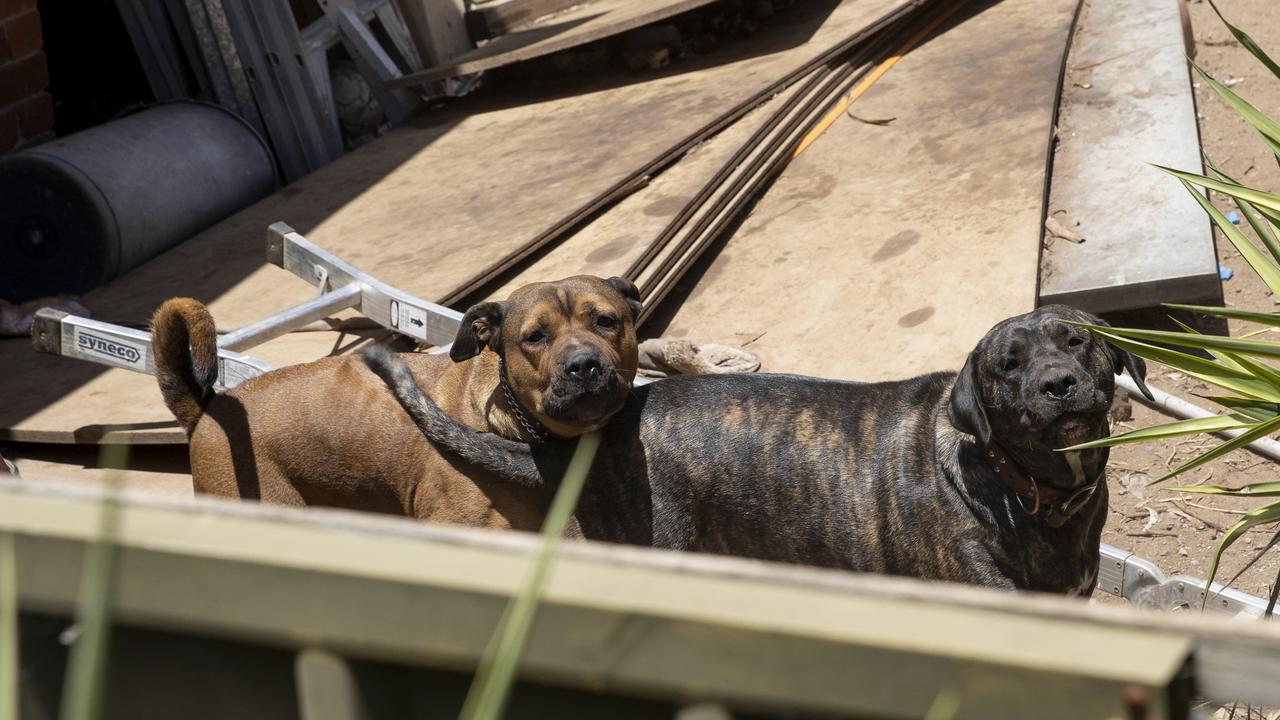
point(965, 409)
point(630, 292)
point(480, 327)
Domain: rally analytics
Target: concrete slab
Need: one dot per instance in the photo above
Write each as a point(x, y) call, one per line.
point(1127, 102)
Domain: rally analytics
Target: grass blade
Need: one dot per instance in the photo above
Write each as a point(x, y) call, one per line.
point(1270, 488)
point(1275, 538)
point(1258, 516)
point(1192, 426)
point(1271, 602)
point(84, 692)
point(8, 628)
point(492, 684)
point(1248, 43)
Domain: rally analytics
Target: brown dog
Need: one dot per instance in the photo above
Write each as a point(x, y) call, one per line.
point(328, 432)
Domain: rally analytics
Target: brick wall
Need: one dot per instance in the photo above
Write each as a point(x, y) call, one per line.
point(26, 109)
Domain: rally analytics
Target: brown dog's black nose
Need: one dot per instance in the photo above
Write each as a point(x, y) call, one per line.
point(1058, 385)
point(583, 366)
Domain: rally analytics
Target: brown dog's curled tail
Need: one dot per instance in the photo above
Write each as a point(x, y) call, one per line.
point(512, 461)
point(184, 344)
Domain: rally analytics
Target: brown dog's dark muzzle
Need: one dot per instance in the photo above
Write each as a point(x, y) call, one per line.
point(586, 388)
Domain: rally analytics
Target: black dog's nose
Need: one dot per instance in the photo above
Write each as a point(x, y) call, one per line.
point(1059, 385)
point(583, 366)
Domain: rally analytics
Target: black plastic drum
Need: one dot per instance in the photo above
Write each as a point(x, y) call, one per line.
point(78, 211)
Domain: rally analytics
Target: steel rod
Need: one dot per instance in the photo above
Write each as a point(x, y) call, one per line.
point(292, 318)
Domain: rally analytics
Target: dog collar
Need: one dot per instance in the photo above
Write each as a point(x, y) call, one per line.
point(1059, 505)
point(534, 430)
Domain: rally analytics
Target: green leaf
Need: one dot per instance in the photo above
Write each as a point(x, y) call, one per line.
point(1225, 358)
point(1261, 348)
point(1261, 225)
point(1248, 42)
point(1267, 203)
point(1211, 372)
point(1263, 265)
point(1258, 516)
point(1270, 488)
point(1257, 431)
point(1265, 126)
point(1272, 319)
point(1261, 370)
point(1192, 426)
point(1254, 409)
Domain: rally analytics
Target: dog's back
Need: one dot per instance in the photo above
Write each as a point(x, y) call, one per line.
point(774, 467)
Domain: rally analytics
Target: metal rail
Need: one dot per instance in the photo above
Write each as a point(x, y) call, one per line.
point(1142, 583)
point(342, 286)
point(59, 333)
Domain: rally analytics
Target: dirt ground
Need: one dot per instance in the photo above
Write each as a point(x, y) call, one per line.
point(1176, 532)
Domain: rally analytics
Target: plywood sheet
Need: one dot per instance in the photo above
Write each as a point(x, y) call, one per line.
point(423, 208)
point(883, 251)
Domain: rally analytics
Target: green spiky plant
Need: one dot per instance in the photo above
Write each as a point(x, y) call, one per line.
point(1237, 365)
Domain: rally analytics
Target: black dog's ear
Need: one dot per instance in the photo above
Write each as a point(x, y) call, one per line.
point(965, 410)
point(1121, 360)
point(630, 292)
point(479, 327)
point(1136, 366)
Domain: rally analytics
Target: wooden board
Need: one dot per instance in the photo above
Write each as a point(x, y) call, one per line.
point(1128, 103)
point(423, 209)
point(883, 251)
point(627, 619)
point(585, 23)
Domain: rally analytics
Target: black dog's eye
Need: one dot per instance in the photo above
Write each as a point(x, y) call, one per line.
point(606, 322)
point(1075, 342)
point(1011, 364)
point(535, 337)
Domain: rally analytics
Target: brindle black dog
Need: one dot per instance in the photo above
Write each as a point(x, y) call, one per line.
point(942, 476)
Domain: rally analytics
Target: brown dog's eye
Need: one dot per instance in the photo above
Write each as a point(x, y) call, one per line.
point(606, 322)
point(535, 337)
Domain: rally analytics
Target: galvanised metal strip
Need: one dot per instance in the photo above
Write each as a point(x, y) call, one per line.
point(59, 333)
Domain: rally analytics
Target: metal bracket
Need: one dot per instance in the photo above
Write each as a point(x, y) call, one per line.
point(1142, 583)
point(419, 319)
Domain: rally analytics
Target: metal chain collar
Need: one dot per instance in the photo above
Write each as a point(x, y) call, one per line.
point(532, 428)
